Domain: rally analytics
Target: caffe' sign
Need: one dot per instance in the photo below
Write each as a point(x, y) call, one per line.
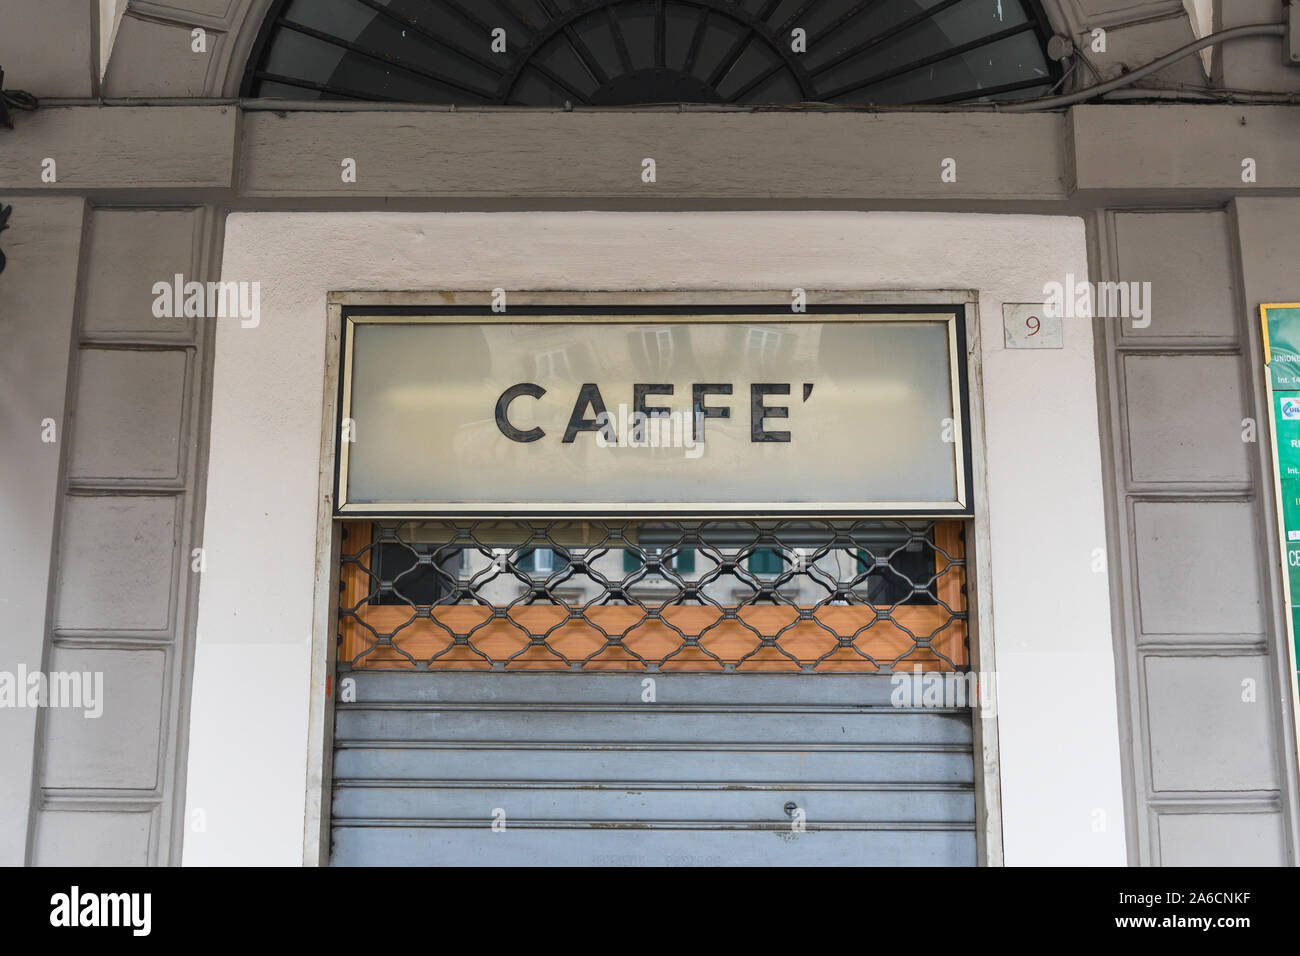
point(746, 413)
point(590, 400)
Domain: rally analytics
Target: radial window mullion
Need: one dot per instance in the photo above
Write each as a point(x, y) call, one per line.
point(388, 61)
point(875, 41)
point(661, 34)
point(692, 52)
point(991, 90)
point(412, 25)
point(793, 20)
point(513, 14)
point(620, 42)
point(576, 43)
point(728, 62)
point(326, 88)
point(928, 61)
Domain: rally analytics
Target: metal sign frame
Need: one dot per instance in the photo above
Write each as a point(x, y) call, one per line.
point(953, 316)
point(1289, 598)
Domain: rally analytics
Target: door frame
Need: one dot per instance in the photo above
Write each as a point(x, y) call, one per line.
point(320, 732)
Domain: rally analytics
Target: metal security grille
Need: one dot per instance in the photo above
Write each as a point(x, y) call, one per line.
point(626, 52)
point(720, 596)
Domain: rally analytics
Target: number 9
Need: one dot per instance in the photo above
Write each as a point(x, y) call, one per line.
point(1033, 323)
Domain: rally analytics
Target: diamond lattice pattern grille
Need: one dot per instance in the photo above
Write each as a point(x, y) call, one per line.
point(715, 596)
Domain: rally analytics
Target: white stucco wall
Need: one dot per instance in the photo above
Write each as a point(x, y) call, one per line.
point(1056, 684)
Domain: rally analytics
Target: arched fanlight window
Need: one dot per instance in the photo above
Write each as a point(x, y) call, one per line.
point(626, 52)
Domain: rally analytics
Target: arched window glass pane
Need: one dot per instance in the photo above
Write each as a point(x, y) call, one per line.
point(632, 52)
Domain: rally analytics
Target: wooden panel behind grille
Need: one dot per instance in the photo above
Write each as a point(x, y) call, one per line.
point(383, 635)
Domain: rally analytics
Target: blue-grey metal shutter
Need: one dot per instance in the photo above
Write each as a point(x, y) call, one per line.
point(576, 769)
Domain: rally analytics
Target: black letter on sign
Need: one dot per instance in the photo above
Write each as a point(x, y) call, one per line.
point(639, 393)
point(503, 409)
point(699, 411)
point(758, 411)
point(590, 395)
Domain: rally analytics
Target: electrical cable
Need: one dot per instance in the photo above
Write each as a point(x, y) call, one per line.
point(1128, 79)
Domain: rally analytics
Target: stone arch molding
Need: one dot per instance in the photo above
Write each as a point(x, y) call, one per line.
point(151, 53)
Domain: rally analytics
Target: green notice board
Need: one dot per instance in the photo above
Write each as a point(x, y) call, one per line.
point(1282, 356)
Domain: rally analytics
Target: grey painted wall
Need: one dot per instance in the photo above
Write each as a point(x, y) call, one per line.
point(1194, 555)
point(37, 292)
point(108, 789)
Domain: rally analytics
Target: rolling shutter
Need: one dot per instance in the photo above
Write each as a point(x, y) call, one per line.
point(576, 769)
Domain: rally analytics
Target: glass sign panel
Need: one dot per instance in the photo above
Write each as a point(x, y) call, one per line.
point(856, 413)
